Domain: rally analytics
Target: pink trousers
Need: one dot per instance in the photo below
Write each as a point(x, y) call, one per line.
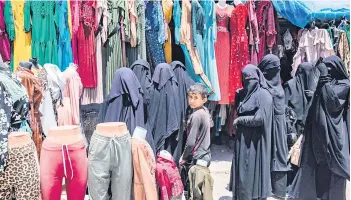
point(63, 161)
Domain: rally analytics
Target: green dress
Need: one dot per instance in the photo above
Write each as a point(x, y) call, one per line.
point(41, 17)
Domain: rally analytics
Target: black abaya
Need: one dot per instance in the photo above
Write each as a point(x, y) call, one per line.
point(250, 175)
point(270, 67)
point(325, 164)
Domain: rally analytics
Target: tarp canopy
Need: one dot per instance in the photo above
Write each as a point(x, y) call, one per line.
point(300, 12)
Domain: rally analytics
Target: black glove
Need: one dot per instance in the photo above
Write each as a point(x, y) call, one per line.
point(322, 69)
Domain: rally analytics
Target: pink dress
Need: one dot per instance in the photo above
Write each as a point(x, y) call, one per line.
point(222, 50)
point(239, 48)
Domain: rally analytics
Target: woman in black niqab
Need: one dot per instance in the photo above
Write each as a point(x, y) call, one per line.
point(250, 175)
point(270, 67)
point(325, 164)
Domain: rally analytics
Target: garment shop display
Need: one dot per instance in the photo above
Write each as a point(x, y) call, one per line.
point(21, 175)
point(5, 52)
point(168, 177)
point(325, 155)
point(35, 94)
point(112, 56)
point(222, 50)
point(209, 38)
point(167, 6)
point(144, 165)
point(141, 69)
point(239, 55)
point(201, 183)
point(253, 33)
point(110, 163)
point(125, 101)
point(70, 162)
point(39, 16)
point(14, 109)
point(22, 40)
point(86, 43)
point(270, 67)
point(74, 21)
point(70, 98)
point(164, 116)
point(251, 167)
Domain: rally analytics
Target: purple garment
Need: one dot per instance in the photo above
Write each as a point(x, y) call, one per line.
point(5, 50)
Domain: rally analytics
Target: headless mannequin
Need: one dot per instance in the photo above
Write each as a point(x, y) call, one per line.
point(140, 133)
point(222, 4)
point(165, 154)
point(237, 2)
point(65, 135)
point(18, 139)
point(112, 129)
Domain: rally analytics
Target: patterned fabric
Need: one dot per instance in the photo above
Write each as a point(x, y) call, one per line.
point(22, 174)
point(253, 34)
point(5, 51)
point(167, 6)
point(239, 52)
point(344, 51)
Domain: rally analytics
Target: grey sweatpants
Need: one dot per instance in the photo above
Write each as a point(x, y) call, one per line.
point(110, 162)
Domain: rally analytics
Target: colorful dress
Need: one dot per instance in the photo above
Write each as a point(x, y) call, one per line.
point(21, 40)
point(167, 6)
point(64, 40)
point(209, 38)
point(239, 53)
point(5, 50)
point(40, 18)
point(253, 33)
point(86, 44)
point(222, 50)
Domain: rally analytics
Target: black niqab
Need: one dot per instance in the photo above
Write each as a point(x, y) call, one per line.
point(164, 116)
point(125, 101)
point(325, 164)
point(270, 67)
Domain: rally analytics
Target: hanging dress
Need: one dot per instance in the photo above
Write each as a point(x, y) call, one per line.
point(21, 40)
point(112, 53)
point(209, 38)
point(40, 18)
point(222, 50)
point(239, 52)
point(64, 40)
point(74, 8)
point(5, 50)
point(155, 34)
point(167, 6)
point(86, 44)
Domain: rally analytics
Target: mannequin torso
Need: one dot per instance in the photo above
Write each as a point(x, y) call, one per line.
point(65, 135)
point(222, 4)
point(112, 129)
point(18, 139)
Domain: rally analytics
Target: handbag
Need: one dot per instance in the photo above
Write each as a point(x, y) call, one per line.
point(295, 152)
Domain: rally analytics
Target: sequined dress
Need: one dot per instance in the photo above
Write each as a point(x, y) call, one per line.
point(222, 50)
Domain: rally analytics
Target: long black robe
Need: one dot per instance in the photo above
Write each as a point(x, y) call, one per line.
point(184, 83)
point(141, 69)
point(299, 92)
point(325, 163)
point(270, 67)
point(125, 101)
point(250, 175)
point(163, 119)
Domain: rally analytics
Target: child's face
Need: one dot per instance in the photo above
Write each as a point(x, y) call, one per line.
point(195, 100)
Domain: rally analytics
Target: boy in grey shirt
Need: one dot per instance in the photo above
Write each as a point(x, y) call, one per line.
point(197, 148)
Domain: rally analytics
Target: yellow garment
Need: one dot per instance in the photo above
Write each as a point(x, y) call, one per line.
point(167, 6)
point(69, 17)
point(22, 44)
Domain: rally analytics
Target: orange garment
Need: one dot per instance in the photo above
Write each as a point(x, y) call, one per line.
point(144, 166)
point(35, 94)
point(68, 112)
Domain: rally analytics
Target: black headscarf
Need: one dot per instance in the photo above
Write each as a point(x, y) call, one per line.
point(253, 80)
point(300, 89)
point(163, 119)
point(141, 69)
point(125, 101)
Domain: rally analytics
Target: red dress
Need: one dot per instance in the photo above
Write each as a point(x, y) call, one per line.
point(222, 50)
point(239, 53)
point(87, 68)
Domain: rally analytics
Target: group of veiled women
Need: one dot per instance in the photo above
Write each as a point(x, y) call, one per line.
point(313, 106)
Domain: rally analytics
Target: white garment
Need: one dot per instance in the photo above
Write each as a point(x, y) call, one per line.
point(313, 44)
point(223, 114)
point(47, 118)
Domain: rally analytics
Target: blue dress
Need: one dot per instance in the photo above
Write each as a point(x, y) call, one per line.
point(209, 37)
point(155, 33)
point(64, 41)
